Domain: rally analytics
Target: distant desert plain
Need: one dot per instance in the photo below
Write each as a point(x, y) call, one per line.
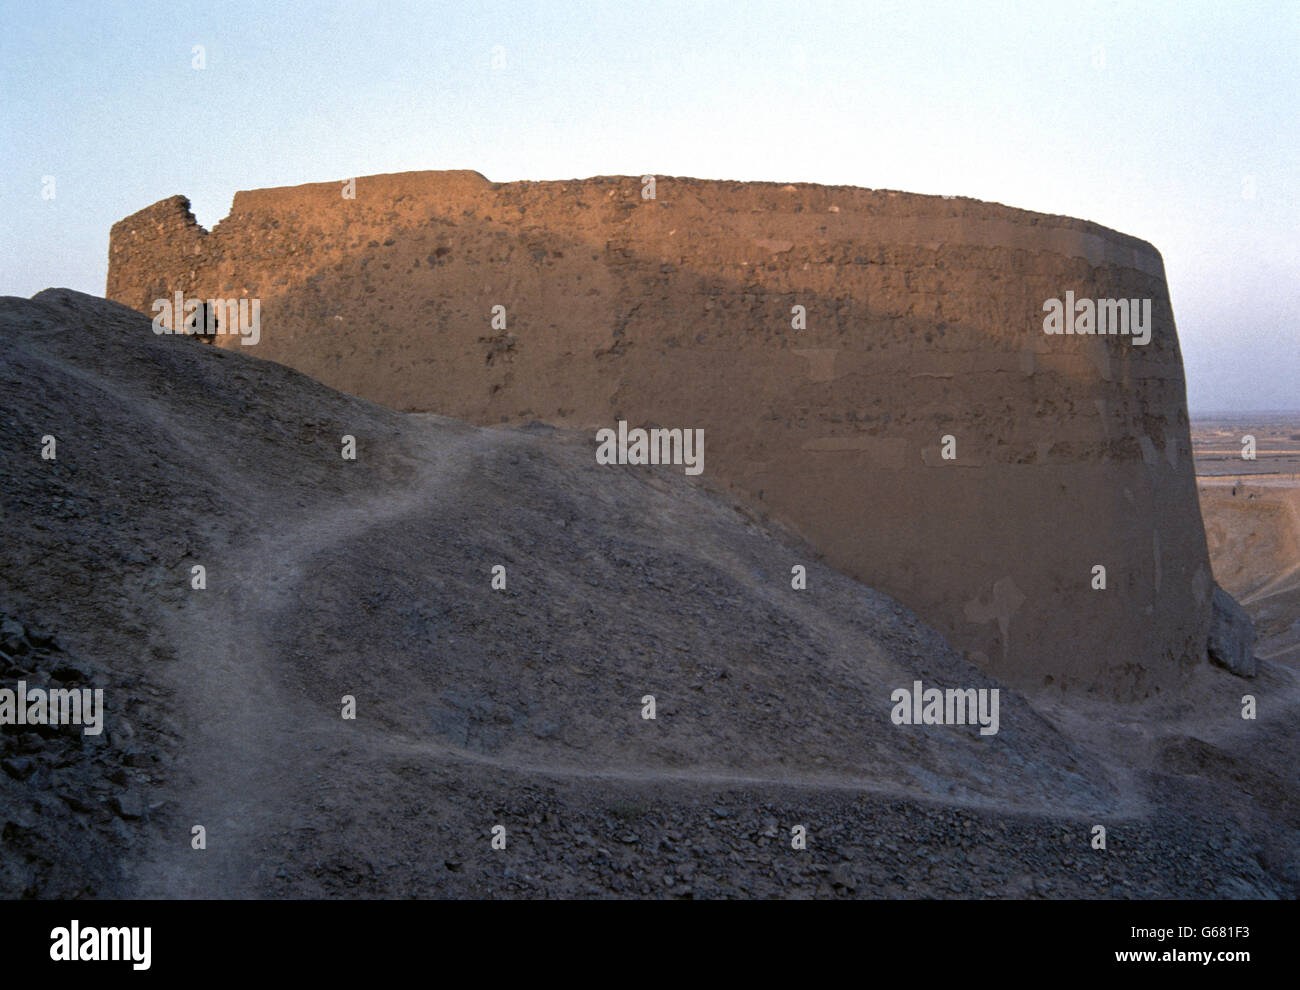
point(1251, 507)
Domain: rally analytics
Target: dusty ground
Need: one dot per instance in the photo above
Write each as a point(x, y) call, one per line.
point(1252, 521)
point(521, 707)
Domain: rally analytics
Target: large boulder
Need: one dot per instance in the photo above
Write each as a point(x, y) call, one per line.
point(1232, 635)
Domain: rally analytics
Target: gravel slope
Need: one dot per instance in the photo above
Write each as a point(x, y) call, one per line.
point(520, 707)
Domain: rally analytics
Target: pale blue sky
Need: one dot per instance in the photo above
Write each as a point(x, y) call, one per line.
point(1155, 119)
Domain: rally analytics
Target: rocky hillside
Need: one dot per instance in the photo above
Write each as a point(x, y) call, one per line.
point(332, 584)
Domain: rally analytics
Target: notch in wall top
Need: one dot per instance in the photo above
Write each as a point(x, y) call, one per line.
point(174, 213)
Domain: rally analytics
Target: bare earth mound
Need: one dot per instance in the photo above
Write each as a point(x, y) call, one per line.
point(1254, 536)
point(521, 706)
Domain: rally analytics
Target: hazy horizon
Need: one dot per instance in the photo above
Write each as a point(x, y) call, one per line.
point(1174, 123)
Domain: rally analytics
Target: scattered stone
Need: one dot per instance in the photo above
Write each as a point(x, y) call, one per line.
point(18, 767)
point(1232, 635)
point(128, 805)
